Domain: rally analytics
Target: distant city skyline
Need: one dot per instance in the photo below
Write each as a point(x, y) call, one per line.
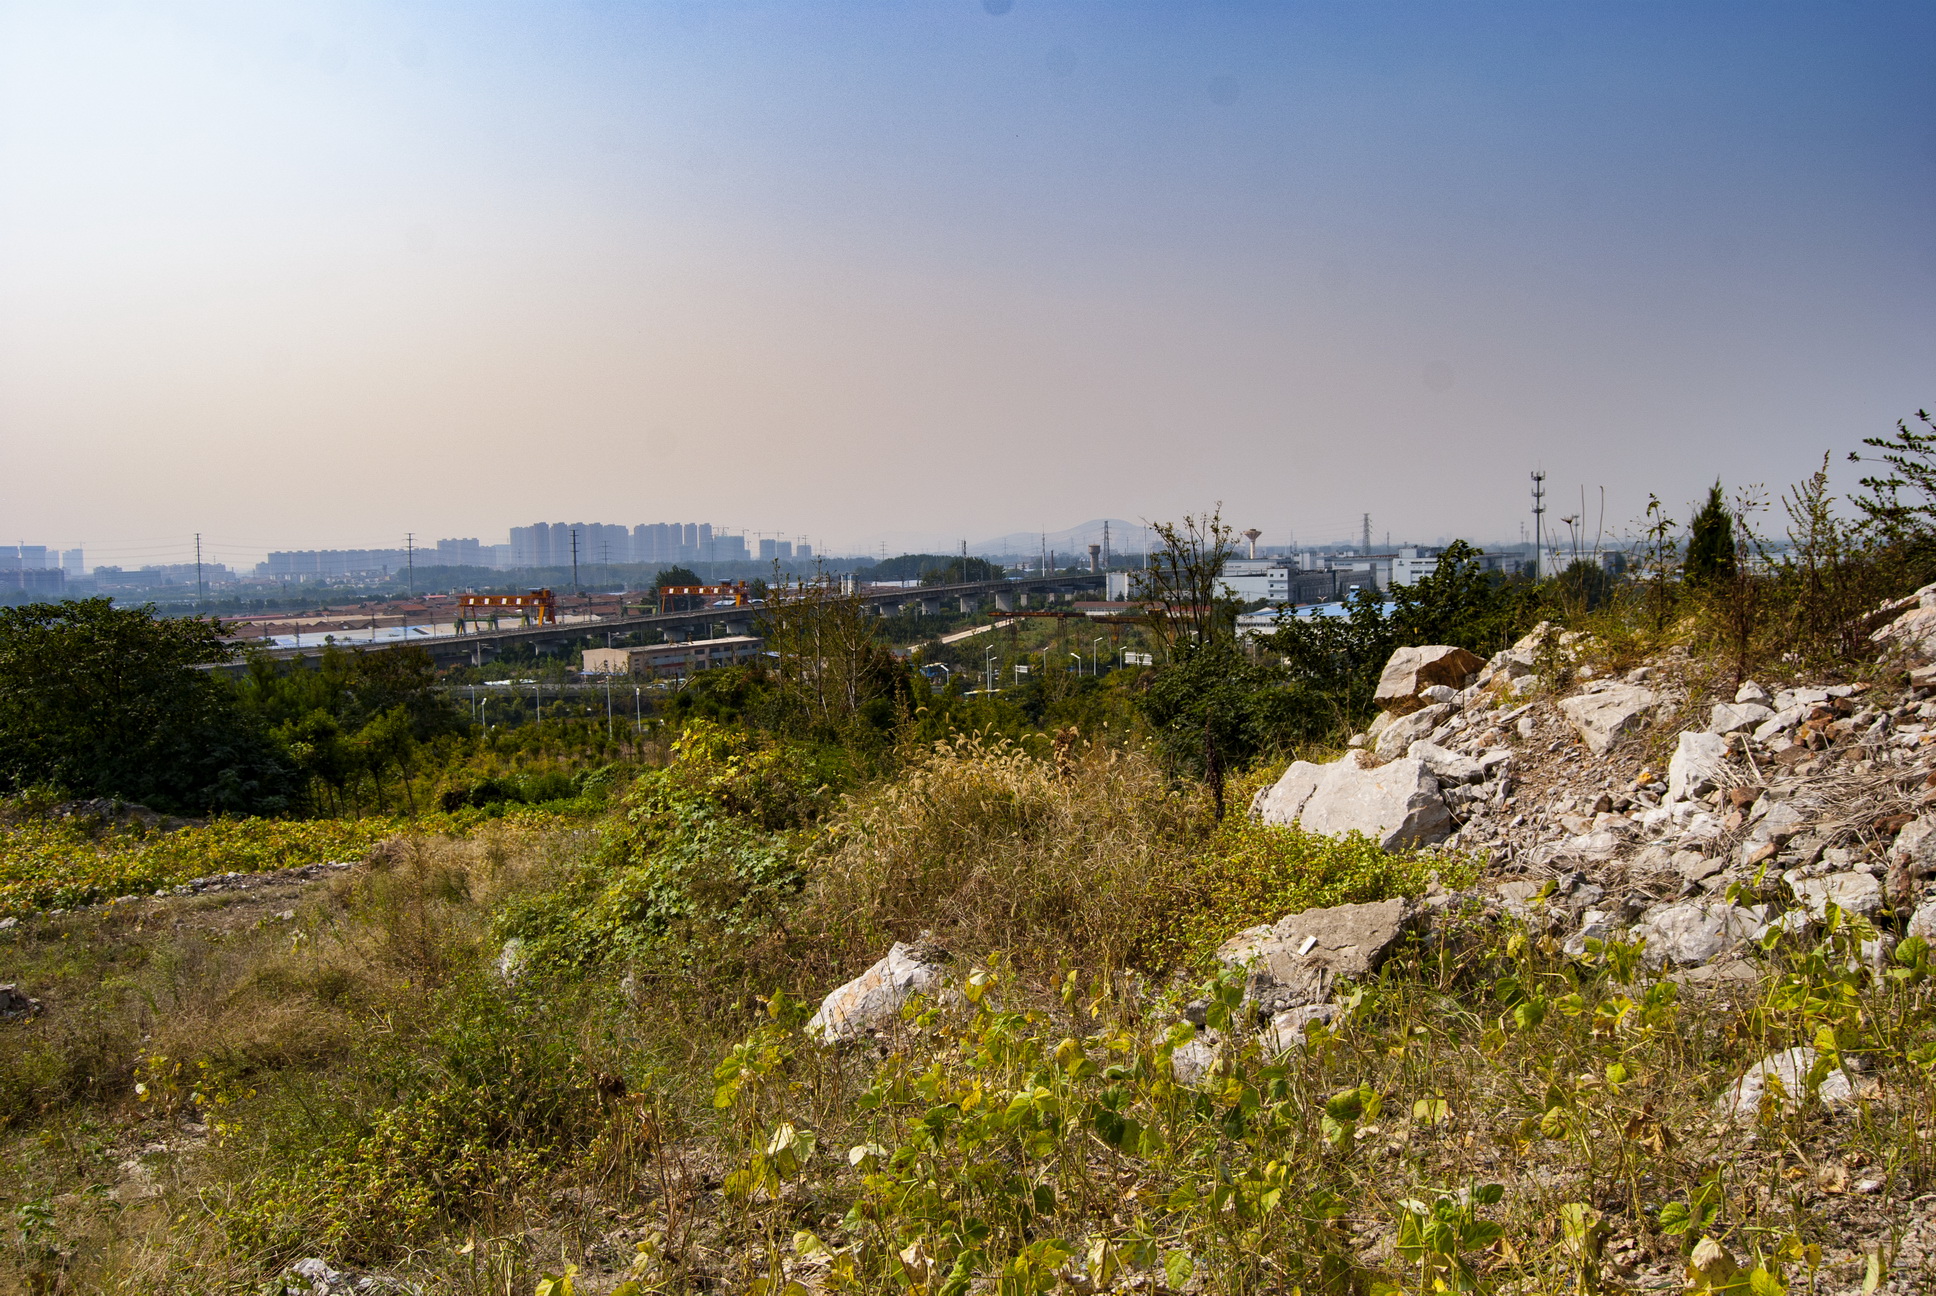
point(296, 277)
point(644, 543)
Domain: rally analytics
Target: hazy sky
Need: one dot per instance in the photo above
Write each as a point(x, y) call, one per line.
point(320, 274)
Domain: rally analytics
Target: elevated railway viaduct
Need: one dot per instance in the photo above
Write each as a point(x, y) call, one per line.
point(481, 646)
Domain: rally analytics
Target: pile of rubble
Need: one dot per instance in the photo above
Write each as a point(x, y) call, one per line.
point(1605, 813)
point(1806, 796)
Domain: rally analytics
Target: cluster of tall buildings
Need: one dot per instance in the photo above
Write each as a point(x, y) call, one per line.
point(558, 544)
point(540, 545)
point(35, 571)
point(26, 557)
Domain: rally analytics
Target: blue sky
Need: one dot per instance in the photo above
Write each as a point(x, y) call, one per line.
point(321, 274)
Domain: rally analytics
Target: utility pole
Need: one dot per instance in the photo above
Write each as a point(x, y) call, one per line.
point(410, 556)
point(1539, 510)
point(201, 590)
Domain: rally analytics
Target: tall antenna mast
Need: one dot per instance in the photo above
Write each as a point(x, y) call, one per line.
point(201, 590)
point(1539, 511)
point(410, 557)
point(574, 560)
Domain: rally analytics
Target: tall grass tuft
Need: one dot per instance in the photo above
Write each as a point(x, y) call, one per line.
point(988, 848)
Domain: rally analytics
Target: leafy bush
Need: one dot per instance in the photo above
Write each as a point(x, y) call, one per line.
point(101, 700)
point(706, 847)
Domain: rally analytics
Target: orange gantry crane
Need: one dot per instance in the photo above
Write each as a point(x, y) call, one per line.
point(713, 595)
point(540, 602)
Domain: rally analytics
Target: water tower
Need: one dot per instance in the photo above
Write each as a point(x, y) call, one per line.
point(1251, 535)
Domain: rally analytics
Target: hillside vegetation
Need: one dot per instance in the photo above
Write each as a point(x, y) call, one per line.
point(1650, 1008)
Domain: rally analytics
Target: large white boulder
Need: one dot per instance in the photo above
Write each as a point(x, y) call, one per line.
point(1413, 670)
point(1396, 805)
point(1607, 714)
point(1694, 931)
point(1852, 893)
point(1297, 959)
point(1790, 1070)
point(873, 1000)
point(1699, 765)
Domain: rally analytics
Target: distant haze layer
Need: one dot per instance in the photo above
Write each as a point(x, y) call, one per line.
point(303, 276)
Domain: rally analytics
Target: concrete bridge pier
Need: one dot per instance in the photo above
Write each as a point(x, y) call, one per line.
point(1004, 601)
point(968, 604)
point(931, 607)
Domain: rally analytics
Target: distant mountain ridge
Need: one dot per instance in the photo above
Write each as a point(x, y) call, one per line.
point(1124, 537)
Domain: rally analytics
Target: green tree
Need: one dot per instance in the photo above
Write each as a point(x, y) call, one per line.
point(1213, 706)
point(100, 700)
point(676, 576)
point(1462, 604)
point(1710, 541)
point(831, 673)
point(1903, 526)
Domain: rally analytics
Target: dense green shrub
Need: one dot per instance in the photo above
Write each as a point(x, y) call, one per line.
point(100, 700)
point(706, 849)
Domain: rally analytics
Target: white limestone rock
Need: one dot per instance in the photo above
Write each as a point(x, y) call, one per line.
point(1410, 671)
point(1914, 850)
point(1285, 1030)
point(1780, 722)
point(873, 1000)
point(1296, 960)
point(1786, 1076)
point(1694, 931)
point(1402, 732)
point(1851, 892)
point(1448, 767)
point(1609, 713)
point(1396, 805)
point(1699, 765)
point(1923, 922)
point(1733, 717)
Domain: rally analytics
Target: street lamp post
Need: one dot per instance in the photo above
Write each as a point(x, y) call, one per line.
point(1094, 648)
